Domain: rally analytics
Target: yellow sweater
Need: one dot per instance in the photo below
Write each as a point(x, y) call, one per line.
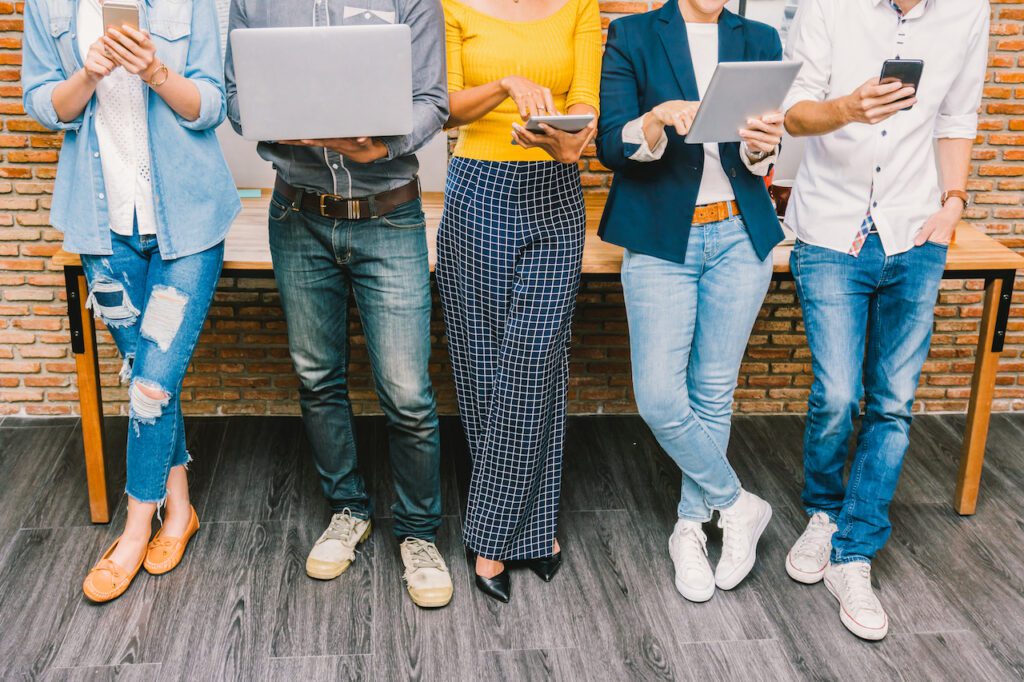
point(561, 52)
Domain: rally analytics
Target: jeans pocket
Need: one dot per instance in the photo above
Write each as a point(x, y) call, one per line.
point(408, 216)
point(279, 208)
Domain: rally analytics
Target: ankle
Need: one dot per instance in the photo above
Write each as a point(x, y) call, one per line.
point(488, 568)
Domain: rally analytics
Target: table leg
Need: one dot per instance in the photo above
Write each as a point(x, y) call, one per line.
point(979, 410)
point(90, 400)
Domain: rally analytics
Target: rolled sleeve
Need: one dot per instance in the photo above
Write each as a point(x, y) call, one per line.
point(958, 113)
point(39, 105)
point(810, 42)
point(633, 137)
point(759, 168)
point(41, 71)
point(204, 68)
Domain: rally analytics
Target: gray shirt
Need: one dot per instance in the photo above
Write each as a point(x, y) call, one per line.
point(324, 171)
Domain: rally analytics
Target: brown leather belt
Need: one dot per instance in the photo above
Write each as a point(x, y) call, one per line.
point(713, 213)
point(340, 208)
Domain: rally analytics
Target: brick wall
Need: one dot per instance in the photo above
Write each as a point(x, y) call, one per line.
point(242, 365)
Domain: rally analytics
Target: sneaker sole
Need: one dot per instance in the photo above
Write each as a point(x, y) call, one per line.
point(317, 573)
point(748, 565)
point(693, 595)
point(803, 576)
point(870, 634)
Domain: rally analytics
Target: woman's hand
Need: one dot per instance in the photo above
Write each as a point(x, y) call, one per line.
point(532, 99)
point(560, 146)
point(675, 113)
point(97, 65)
point(133, 49)
point(763, 134)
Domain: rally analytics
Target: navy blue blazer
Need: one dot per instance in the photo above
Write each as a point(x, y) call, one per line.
point(647, 62)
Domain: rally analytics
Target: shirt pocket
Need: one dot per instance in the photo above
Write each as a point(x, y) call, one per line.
point(369, 13)
point(170, 23)
point(60, 31)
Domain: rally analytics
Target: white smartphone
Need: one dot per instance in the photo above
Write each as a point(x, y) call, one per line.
point(117, 13)
point(570, 123)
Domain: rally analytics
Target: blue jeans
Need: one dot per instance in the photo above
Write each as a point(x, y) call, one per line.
point(869, 326)
point(319, 262)
point(688, 329)
point(154, 309)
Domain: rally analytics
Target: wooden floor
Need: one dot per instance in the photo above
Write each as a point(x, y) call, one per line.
point(241, 607)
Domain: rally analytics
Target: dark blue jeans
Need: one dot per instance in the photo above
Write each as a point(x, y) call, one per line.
point(382, 262)
point(869, 325)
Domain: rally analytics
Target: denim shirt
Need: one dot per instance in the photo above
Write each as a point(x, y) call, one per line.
point(194, 195)
point(322, 170)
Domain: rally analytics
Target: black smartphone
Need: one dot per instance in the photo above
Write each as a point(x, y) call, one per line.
point(906, 71)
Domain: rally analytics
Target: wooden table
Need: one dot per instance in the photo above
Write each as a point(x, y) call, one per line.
point(974, 255)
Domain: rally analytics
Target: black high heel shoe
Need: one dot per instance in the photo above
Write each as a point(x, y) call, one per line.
point(546, 567)
point(499, 587)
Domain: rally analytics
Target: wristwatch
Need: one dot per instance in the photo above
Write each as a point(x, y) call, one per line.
point(958, 194)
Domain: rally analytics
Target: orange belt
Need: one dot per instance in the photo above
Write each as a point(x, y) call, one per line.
point(712, 213)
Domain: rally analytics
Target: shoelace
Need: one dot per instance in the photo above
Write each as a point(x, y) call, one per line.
point(812, 543)
point(858, 588)
point(734, 536)
point(341, 527)
point(423, 554)
point(696, 541)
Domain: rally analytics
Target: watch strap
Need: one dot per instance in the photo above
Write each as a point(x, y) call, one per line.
point(959, 194)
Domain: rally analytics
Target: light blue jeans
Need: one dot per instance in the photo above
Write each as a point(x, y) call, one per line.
point(869, 326)
point(688, 329)
point(154, 309)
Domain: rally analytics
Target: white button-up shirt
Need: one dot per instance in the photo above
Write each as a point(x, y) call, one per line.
point(888, 168)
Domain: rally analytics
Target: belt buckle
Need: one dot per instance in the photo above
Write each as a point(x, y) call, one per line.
point(323, 203)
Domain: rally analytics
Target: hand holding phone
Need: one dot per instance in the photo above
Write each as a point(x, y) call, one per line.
point(905, 71)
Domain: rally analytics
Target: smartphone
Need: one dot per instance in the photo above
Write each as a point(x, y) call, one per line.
point(117, 13)
point(906, 71)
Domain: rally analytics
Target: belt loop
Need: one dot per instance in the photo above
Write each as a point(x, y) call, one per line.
point(297, 200)
point(728, 206)
point(371, 203)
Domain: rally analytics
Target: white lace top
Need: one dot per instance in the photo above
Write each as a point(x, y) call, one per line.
point(123, 134)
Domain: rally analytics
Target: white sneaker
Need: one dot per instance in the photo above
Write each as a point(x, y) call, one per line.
point(808, 557)
point(688, 548)
point(859, 608)
point(426, 575)
point(335, 549)
point(742, 525)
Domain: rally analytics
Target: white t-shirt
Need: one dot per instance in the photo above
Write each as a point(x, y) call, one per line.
point(122, 130)
point(703, 39)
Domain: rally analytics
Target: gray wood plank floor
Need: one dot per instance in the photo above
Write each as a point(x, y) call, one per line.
point(241, 608)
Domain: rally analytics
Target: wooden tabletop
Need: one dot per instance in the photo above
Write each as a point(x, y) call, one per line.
point(247, 246)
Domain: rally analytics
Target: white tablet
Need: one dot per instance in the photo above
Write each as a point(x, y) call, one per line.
point(570, 123)
point(738, 91)
point(332, 81)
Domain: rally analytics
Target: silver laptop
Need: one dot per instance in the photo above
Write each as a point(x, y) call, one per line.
point(331, 81)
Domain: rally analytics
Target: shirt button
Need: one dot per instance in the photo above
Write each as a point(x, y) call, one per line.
point(878, 169)
point(874, 204)
point(100, 195)
point(884, 133)
point(732, 172)
point(367, 15)
point(96, 155)
point(334, 166)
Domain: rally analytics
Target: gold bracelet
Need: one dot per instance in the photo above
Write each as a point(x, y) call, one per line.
point(152, 79)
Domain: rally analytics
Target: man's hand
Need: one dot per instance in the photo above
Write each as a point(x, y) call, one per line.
point(358, 149)
point(560, 145)
point(97, 65)
point(873, 102)
point(940, 226)
point(675, 113)
point(763, 134)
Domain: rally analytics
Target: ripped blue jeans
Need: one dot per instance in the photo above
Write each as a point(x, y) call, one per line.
point(154, 309)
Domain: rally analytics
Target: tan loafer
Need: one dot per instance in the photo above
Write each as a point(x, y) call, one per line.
point(165, 553)
point(107, 581)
